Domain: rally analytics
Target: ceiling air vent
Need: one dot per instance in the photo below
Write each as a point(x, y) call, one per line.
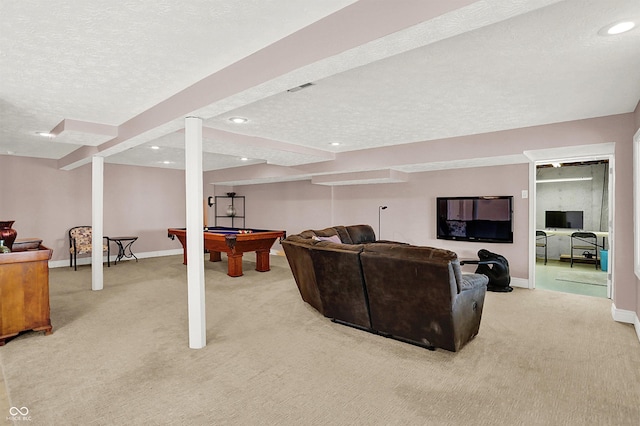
point(303, 86)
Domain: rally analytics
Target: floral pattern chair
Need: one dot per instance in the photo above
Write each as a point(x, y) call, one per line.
point(80, 243)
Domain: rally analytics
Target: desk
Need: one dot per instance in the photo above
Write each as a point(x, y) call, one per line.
point(559, 245)
point(124, 248)
point(567, 232)
point(234, 242)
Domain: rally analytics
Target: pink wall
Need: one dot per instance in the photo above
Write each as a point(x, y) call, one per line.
point(410, 216)
point(144, 201)
point(288, 206)
point(359, 203)
point(45, 202)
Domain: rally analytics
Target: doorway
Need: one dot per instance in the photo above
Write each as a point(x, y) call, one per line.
point(580, 189)
point(572, 204)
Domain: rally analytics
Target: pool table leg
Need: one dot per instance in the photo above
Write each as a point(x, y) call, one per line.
point(235, 264)
point(214, 256)
point(262, 260)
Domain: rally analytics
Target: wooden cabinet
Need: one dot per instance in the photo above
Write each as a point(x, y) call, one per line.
point(24, 292)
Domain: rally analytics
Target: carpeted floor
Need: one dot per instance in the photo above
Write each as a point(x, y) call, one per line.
point(120, 356)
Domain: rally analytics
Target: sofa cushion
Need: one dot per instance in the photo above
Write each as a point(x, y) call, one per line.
point(330, 245)
point(304, 234)
point(298, 252)
point(410, 252)
point(471, 281)
point(340, 282)
point(360, 234)
point(323, 233)
point(343, 234)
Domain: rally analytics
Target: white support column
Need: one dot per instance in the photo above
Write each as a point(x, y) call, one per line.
point(195, 243)
point(97, 222)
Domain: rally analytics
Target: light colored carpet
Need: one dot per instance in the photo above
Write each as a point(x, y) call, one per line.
point(120, 356)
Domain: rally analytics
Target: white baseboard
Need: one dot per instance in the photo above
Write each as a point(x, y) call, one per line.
point(519, 282)
point(621, 315)
point(87, 259)
point(625, 316)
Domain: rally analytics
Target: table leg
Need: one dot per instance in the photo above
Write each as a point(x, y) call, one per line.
point(214, 256)
point(120, 252)
point(262, 260)
point(123, 248)
point(128, 247)
point(235, 264)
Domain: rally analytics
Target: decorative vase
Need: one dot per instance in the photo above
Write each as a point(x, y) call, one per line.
point(7, 233)
point(231, 210)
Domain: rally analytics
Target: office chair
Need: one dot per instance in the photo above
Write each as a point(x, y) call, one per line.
point(541, 241)
point(586, 242)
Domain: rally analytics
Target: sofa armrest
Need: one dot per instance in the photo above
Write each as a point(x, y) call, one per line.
point(471, 281)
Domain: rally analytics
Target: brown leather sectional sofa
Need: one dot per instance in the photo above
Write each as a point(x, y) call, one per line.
point(410, 293)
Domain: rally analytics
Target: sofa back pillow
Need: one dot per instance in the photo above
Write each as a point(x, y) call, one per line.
point(333, 239)
point(300, 239)
point(343, 234)
point(412, 252)
point(361, 234)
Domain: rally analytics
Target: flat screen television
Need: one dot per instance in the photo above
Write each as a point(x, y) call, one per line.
point(563, 219)
point(479, 219)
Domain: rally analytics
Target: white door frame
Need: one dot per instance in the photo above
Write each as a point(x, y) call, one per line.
point(567, 155)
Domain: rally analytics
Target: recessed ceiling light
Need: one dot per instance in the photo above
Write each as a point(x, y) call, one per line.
point(165, 162)
point(45, 134)
point(238, 120)
point(335, 144)
point(155, 147)
point(244, 159)
point(617, 28)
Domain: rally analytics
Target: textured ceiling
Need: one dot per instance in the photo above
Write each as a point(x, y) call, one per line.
point(121, 78)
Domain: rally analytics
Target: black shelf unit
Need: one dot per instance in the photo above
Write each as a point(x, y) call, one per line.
point(223, 203)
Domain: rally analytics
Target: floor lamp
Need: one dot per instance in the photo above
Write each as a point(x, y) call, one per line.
point(380, 208)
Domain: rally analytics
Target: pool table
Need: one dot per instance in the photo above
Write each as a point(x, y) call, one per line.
point(235, 242)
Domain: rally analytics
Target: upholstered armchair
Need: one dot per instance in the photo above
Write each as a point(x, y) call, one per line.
point(80, 243)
